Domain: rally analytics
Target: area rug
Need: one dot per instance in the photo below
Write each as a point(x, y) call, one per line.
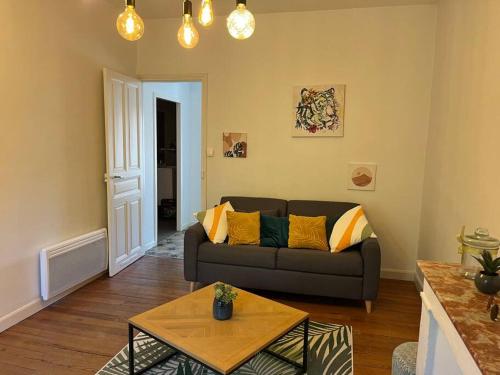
point(330, 353)
point(170, 247)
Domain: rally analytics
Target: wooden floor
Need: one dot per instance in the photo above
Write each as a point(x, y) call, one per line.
point(80, 333)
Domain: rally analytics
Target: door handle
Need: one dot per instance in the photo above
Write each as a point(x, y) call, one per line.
point(112, 177)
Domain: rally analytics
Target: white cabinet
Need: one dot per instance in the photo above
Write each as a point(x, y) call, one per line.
point(441, 350)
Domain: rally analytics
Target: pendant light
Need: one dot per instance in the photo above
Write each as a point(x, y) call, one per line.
point(206, 15)
point(188, 35)
point(129, 24)
point(241, 22)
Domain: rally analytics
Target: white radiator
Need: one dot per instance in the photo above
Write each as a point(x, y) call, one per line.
point(72, 262)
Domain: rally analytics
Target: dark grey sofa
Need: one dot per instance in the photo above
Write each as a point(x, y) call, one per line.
point(354, 273)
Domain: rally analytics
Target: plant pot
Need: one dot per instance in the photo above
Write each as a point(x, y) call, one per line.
point(222, 311)
point(487, 284)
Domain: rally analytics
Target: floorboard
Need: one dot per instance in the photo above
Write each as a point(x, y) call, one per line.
point(80, 333)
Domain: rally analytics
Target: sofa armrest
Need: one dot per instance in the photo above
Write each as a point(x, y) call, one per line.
point(370, 252)
point(193, 238)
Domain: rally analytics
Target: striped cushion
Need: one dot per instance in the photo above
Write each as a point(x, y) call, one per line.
point(214, 221)
point(351, 229)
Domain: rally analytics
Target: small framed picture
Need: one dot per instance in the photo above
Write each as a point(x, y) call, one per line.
point(234, 145)
point(362, 176)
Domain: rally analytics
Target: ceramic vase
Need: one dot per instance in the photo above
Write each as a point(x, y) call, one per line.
point(487, 284)
point(221, 310)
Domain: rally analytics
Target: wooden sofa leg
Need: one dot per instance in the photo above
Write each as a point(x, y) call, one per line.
point(368, 305)
point(192, 286)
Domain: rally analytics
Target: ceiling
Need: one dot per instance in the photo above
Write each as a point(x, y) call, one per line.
point(173, 8)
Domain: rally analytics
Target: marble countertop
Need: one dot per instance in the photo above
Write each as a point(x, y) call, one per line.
point(466, 307)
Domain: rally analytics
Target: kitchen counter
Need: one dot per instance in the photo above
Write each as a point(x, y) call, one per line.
point(465, 307)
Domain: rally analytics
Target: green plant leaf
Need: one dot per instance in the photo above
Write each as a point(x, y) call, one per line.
point(483, 264)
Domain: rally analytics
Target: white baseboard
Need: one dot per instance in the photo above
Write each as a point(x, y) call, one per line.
point(36, 305)
point(394, 274)
point(149, 245)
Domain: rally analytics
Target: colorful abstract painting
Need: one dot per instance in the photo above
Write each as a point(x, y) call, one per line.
point(235, 145)
point(362, 176)
point(319, 111)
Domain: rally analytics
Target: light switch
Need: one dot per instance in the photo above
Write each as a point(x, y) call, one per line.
point(210, 152)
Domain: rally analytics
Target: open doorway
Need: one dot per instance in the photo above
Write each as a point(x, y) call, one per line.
point(166, 160)
point(174, 179)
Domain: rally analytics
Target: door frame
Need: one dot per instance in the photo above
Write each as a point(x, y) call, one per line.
point(178, 181)
point(172, 78)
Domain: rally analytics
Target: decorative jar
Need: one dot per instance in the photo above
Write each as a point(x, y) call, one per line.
point(472, 245)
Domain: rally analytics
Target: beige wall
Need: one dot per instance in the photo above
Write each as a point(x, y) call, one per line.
point(462, 171)
point(52, 130)
point(384, 55)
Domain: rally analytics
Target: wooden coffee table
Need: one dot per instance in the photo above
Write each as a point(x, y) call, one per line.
point(187, 326)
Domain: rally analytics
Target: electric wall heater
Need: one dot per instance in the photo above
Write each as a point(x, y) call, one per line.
point(70, 263)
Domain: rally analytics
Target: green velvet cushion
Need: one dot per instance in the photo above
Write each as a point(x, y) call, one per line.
point(273, 231)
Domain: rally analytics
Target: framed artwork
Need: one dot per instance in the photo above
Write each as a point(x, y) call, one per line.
point(319, 111)
point(234, 145)
point(362, 176)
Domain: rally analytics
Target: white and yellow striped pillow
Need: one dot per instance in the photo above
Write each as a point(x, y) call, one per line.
point(214, 220)
point(351, 229)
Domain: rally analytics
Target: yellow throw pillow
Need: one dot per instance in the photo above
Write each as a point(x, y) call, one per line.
point(351, 229)
point(243, 228)
point(215, 222)
point(307, 233)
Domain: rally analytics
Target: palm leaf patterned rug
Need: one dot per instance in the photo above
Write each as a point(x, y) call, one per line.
point(330, 353)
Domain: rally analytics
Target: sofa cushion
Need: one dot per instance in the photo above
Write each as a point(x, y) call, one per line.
point(347, 263)
point(239, 255)
point(273, 231)
point(248, 204)
point(214, 220)
point(307, 232)
point(332, 210)
point(352, 228)
point(243, 228)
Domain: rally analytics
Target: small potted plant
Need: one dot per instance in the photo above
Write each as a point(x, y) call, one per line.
point(488, 281)
point(223, 301)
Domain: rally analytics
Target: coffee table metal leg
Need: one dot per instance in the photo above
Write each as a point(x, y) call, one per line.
point(131, 370)
point(301, 367)
point(306, 345)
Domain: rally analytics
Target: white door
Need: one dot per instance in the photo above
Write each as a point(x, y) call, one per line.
point(125, 169)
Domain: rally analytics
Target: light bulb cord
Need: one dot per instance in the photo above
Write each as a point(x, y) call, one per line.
point(131, 3)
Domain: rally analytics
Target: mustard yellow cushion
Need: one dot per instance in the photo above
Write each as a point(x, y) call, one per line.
point(243, 228)
point(307, 233)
